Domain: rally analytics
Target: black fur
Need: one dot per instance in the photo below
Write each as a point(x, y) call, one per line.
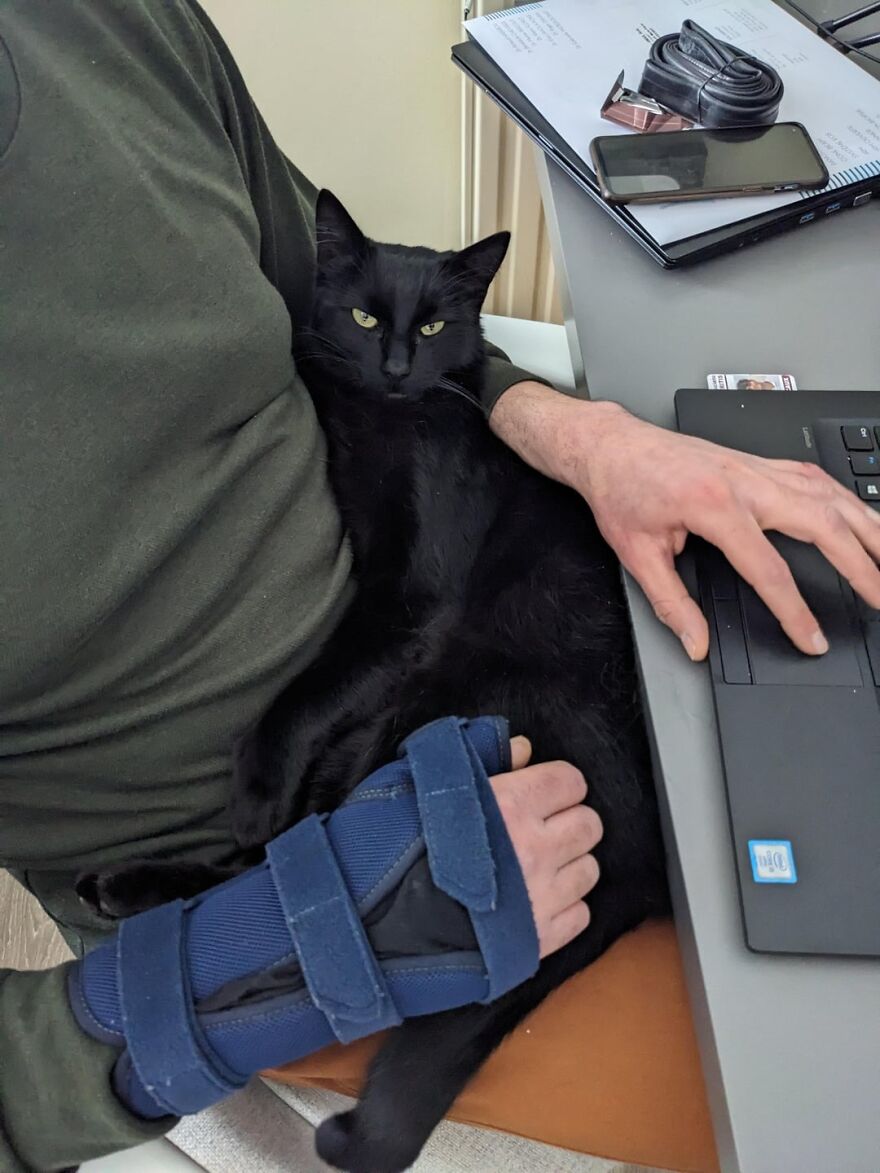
point(482, 588)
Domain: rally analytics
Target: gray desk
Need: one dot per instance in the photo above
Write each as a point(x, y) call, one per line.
point(790, 1046)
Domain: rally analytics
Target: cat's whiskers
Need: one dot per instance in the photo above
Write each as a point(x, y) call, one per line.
point(324, 357)
point(323, 339)
point(447, 385)
point(328, 351)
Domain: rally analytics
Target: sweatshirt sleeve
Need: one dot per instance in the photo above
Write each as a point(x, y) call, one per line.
point(501, 375)
point(57, 1106)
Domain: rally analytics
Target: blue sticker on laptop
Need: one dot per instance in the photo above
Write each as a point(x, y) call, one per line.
point(772, 861)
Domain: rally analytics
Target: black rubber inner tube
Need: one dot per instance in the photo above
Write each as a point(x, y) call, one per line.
point(709, 81)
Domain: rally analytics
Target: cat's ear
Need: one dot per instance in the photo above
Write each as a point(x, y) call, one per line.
point(475, 266)
point(337, 234)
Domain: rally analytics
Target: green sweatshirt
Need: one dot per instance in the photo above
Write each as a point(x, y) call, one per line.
point(170, 554)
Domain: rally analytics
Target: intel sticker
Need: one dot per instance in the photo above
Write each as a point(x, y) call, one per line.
point(772, 861)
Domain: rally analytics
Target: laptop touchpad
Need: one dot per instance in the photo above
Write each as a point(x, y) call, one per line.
point(773, 658)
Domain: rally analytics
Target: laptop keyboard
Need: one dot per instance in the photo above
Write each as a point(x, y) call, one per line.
point(850, 451)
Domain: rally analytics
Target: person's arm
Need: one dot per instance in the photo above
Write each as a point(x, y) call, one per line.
point(649, 488)
point(80, 1075)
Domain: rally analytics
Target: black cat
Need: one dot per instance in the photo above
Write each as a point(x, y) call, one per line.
point(483, 588)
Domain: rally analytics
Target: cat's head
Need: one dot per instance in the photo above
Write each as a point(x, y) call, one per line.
point(395, 321)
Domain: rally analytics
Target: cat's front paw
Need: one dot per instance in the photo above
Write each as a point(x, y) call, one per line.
point(143, 884)
point(115, 893)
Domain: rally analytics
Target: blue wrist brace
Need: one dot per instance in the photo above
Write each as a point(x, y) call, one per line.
point(192, 992)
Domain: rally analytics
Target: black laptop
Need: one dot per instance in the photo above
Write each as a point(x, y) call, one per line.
point(480, 67)
point(800, 735)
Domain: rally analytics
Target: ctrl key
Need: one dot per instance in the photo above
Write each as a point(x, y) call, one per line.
point(869, 490)
point(858, 438)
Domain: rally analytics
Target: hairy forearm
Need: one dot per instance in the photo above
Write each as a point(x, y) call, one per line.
point(553, 432)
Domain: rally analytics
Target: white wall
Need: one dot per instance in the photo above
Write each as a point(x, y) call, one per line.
point(362, 96)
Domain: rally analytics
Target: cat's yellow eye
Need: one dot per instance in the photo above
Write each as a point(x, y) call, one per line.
point(364, 319)
point(431, 328)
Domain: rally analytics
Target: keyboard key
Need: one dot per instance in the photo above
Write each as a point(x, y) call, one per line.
point(858, 438)
point(865, 463)
point(869, 490)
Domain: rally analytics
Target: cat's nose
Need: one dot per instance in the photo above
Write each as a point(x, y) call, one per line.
point(395, 368)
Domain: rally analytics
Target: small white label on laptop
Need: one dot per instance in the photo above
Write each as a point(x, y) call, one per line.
point(772, 861)
point(751, 382)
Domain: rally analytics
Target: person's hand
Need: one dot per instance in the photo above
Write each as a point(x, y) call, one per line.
point(553, 834)
point(649, 488)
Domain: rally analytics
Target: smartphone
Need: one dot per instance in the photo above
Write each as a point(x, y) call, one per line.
point(699, 164)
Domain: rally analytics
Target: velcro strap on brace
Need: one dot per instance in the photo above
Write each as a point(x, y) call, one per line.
point(445, 772)
point(173, 1062)
point(460, 819)
point(338, 965)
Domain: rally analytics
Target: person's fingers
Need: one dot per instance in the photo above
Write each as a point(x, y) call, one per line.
point(564, 927)
point(576, 879)
point(820, 492)
point(572, 833)
point(863, 520)
point(655, 573)
point(753, 557)
point(823, 488)
point(551, 787)
point(520, 752)
point(836, 540)
point(834, 520)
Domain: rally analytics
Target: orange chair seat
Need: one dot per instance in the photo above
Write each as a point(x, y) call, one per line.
point(608, 1065)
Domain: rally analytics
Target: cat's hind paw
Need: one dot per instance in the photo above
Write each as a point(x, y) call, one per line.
point(339, 1142)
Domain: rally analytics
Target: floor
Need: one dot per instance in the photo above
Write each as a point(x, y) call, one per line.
point(28, 939)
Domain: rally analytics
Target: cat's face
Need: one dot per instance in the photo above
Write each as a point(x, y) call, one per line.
point(396, 321)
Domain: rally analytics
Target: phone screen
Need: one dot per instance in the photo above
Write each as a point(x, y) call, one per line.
point(687, 162)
